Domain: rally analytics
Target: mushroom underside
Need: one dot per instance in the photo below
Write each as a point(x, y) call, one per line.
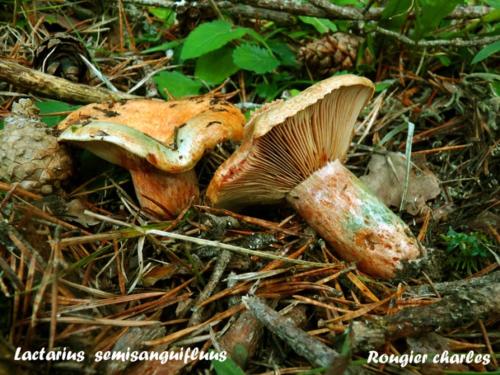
point(159, 192)
point(266, 168)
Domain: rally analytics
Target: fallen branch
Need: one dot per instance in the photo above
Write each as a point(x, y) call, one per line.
point(55, 87)
point(338, 11)
point(244, 333)
point(467, 304)
point(453, 287)
point(456, 42)
point(303, 344)
point(223, 260)
point(326, 9)
point(284, 9)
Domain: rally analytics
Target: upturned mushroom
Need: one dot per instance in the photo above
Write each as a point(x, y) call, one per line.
point(292, 150)
point(158, 142)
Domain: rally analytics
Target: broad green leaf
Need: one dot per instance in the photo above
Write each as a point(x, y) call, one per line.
point(486, 52)
point(430, 13)
point(382, 85)
point(161, 13)
point(322, 25)
point(443, 59)
point(254, 58)
point(299, 34)
point(216, 66)
point(254, 34)
point(286, 56)
point(267, 90)
point(209, 37)
point(496, 88)
point(176, 84)
point(47, 107)
point(395, 13)
point(165, 14)
point(227, 367)
point(494, 3)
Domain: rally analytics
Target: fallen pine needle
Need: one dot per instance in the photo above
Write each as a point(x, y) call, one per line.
point(210, 243)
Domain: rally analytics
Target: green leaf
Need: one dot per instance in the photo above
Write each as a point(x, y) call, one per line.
point(227, 367)
point(286, 56)
point(494, 3)
point(176, 84)
point(299, 34)
point(47, 107)
point(496, 88)
point(486, 52)
point(395, 13)
point(216, 66)
point(163, 47)
point(164, 14)
point(443, 59)
point(161, 13)
point(430, 13)
point(382, 85)
point(254, 58)
point(209, 37)
point(322, 25)
point(267, 90)
point(254, 34)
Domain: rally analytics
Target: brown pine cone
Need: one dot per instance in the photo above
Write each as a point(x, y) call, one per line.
point(59, 55)
point(189, 16)
point(30, 153)
point(332, 53)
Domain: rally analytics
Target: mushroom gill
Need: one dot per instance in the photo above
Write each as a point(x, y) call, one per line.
point(268, 167)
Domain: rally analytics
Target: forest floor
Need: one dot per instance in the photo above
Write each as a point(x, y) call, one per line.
point(81, 271)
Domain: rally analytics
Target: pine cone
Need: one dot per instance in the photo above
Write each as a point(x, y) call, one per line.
point(332, 53)
point(189, 15)
point(29, 151)
point(59, 55)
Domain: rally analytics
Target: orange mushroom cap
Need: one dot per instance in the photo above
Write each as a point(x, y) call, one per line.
point(157, 139)
point(171, 136)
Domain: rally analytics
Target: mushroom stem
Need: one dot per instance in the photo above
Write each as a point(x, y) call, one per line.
point(164, 193)
point(346, 214)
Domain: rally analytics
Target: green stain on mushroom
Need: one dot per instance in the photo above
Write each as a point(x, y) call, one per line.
point(370, 213)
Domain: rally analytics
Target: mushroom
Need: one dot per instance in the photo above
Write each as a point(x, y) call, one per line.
point(158, 142)
point(292, 150)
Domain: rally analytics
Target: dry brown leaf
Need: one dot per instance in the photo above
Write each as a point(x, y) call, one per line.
point(75, 212)
point(386, 179)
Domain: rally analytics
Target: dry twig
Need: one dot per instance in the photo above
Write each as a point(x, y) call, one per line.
point(54, 87)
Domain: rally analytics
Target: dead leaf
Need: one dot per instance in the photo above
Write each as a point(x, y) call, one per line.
point(160, 272)
point(386, 179)
point(75, 211)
